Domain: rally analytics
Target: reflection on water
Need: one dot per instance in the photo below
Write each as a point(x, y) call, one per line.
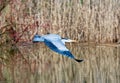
point(38, 64)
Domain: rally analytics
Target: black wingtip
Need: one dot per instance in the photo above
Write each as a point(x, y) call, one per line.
point(35, 41)
point(78, 60)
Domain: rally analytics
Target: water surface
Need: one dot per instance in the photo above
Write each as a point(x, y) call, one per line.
point(38, 64)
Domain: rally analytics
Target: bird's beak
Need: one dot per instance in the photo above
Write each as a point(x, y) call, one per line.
point(73, 40)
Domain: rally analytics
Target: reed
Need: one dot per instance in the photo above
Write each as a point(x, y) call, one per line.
point(86, 21)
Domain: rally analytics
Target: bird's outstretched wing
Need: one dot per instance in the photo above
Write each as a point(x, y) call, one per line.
point(59, 47)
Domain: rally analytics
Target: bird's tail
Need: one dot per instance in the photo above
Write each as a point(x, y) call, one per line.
point(78, 60)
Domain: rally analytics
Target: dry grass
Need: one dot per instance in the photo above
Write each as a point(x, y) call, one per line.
point(96, 21)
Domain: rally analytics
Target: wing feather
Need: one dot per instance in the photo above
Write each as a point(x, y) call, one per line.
point(59, 47)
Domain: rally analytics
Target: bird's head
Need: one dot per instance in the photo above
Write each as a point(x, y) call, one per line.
point(37, 38)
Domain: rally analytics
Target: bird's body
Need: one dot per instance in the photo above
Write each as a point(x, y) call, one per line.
point(55, 43)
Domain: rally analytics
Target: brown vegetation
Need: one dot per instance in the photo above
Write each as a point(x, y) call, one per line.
point(86, 21)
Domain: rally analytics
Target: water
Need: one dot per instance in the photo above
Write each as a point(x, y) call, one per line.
point(37, 64)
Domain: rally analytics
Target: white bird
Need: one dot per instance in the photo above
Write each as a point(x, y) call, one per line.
point(56, 43)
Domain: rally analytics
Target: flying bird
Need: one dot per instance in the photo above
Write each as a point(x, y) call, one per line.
point(56, 43)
